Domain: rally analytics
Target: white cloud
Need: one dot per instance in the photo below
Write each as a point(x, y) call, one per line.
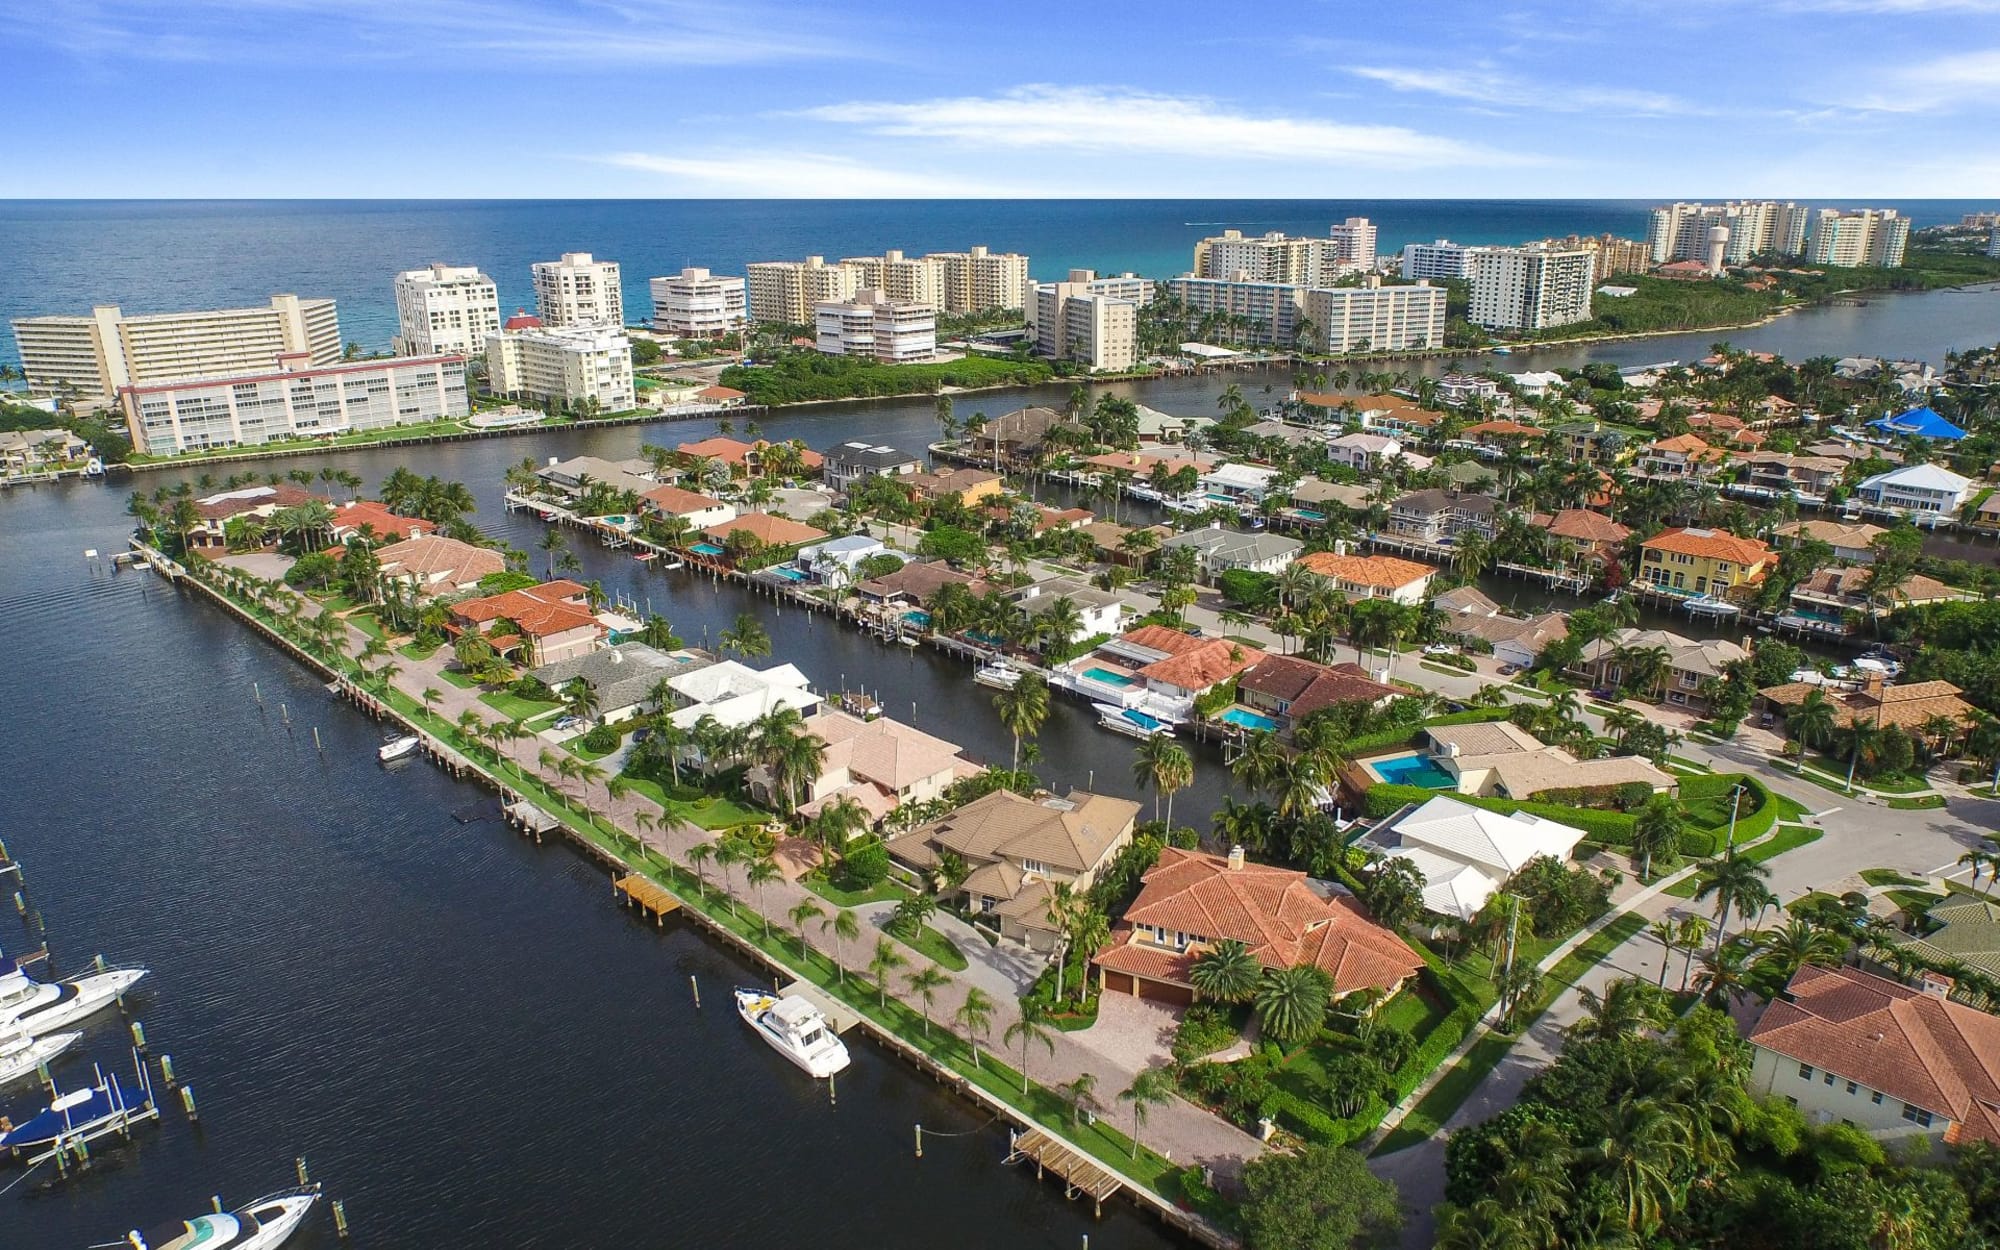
point(1485, 86)
point(1961, 78)
point(804, 175)
point(1120, 120)
point(1893, 6)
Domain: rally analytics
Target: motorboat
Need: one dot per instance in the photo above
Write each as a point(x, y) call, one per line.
point(1130, 721)
point(1709, 605)
point(998, 674)
point(38, 1008)
point(81, 1115)
point(794, 1028)
point(859, 703)
point(21, 1055)
point(396, 746)
point(262, 1225)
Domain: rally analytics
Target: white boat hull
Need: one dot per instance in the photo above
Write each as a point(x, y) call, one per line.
point(46, 1013)
point(1119, 720)
point(398, 749)
point(751, 1006)
point(277, 1219)
point(21, 1058)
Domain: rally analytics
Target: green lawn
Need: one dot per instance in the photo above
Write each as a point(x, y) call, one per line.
point(411, 651)
point(1887, 876)
point(708, 812)
point(367, 623)
point(1886, 785)
point(1921, 802)
point(886, 891)
point(460, 678)
point(1787, 838)
point(514, 707)
point(933, 946)
point(1915, 902)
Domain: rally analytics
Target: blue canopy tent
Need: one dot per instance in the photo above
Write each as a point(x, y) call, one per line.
point(1921, 422)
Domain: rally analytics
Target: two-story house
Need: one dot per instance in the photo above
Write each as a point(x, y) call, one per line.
point(1803, 477)
point(1372, 577)
point(1702, 562)
point(1288, 688)
point(1916, 489)
point(1682, 456)
point(881, 764)
point(1852, 543)
point(1219, 550)
point(1097, 611)
point(540, 625)
point(1362, 451)
point(1680, 666)
point(850, 462)
point(1017, 849)
point(1433, 516)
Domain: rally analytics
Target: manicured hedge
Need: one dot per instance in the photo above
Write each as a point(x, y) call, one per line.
point(1604, 828)
point(1407, 735)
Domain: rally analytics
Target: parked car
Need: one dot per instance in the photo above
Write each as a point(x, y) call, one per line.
point(1440, 648)
point(1508, 670)
point(568, 723)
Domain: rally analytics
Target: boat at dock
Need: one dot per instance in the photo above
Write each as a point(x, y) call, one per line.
point(794, 1028)
point(1130, 721)
point(999, 674)
point(79, 1117)
point(397, 746)
point(22, 1054)
point(1709, 605)
point(859, 703)
point(261, 1225)
point(39, 1008)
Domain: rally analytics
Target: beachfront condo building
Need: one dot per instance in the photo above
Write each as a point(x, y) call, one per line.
point(1239, 310)
point(696, 304)
point(579, 290)
point(876, 326)
point(445, 308)
point(1682, 231)
point(567, 367)
point(1614, 255)
point(1374, 317)
point(907, 279)
point(1859, 236)
point(1299, 259)
point(1531, 288)
point(981, 280)
point(786, 292)
point(1087, 320)
point(97, 356)
point(293, 397)
point(1442, 261)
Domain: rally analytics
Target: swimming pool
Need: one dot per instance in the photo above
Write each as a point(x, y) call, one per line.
point(790, 574)
point(1244, 718)
point(1110, 677)
point(1413, 769)
point(1310, 514)
point(706, 549)
point(920, 619)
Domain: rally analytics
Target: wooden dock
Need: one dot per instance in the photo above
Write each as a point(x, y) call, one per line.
point(1077, 1173)
point(648, 896)
point(839, 1016)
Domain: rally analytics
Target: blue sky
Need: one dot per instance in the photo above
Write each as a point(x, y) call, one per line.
point(1816, 99)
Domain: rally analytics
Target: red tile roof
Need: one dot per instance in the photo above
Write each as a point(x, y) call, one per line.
point(1582, 525)
point(772, 531)
point(1215, 660)
point(1504, 429)
point(673, 501)
point(539, 610)
point(1385, 571)
point(1310, 687)
point(1714, 544)
point(384, 523)
point(250, 498)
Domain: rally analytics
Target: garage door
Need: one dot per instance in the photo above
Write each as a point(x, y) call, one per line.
point(1118, 982)
point(1161, 992)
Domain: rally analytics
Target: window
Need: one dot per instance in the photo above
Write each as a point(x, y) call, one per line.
point(1853, 1087)
point(1034, 865)
point(1805, 1072)
point(1916, 1115)
point(1829, 1078)
point(1876, 1097)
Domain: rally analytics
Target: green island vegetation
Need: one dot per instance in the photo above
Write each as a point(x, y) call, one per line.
point(806, 377)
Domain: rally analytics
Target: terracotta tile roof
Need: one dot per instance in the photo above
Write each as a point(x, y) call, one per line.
point(920, 579)
point(719, 393)
point(727, 450)
point(252, 498)
point(673, 501)
point(1584, 526)
point(540, 610)
point(1714, 421)
point(1162, 638)
point(1384, 571)
point(1273, 911)
point(1914, 1046)
point(1214, 661)
point(1714, 544)
point(1834, 533)
point(938, 484)
point(1503, 429)
point(772, 531)
point(384, 523)
point(429, 555)
point(1690, 446)
point(1142, 462)
point(1311, 687)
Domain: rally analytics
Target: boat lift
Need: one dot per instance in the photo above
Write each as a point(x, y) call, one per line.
point(74, 1120)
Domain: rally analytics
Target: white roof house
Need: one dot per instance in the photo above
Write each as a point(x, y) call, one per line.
point(1442, 836)
point(835, 559)
point(735, 694)
point(1916, 488)
point(1240, 479)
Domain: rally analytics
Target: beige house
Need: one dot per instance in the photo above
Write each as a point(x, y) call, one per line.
point(436, 565)
point(1502, 759)
point(1018, 848)
point(880, 764)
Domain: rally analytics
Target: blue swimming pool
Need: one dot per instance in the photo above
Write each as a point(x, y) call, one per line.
point(706, 549)
point(1310, 514)
point(1414, 769)
point(1110, 677)
point(790, 574)
point(920, 619)
point(1244, 718)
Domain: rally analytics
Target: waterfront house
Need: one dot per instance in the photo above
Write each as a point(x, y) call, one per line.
point(1900, 1063)
point(1108, 538)
point(1362, 451)
point(1155, 669)
point(1831, 595)
point(1019, 437)
point(260, 502)
point(766, 537)
point(572, 478)
point(1494, 437)
point(697, 510)
point(1317, 496)
point(1917, 489)
point(432, 564)
point(1683, 456)
point(972, 486)
point(1908, 706)
point(1191, 900)
point(1596, 537)
point(368, 519)
point(1263, 433)
point(1535, 383)
point(1499, 759)
point(881, 764)
point(1435, 516)
point(1018, 849)
point(1142, 464)
point(1288, 688)
point(744, 459)
point(1852, 543)
point(623, 678)
point(1917, 423)
point(1466, 602)
point(1219, 550)
point(1372, 577)
point(538, 625)
point(1392, 414)
point(1804, 477)
point(1687, 664)
point(1457, 389)
point(834, 561)
point(23, 451)
point(1467, 854)
point(735, 694)
point(1239, 483)
point(850, 462)
point(1097, 611)
point(1702, 562)
point(915, 583)
point(1585, 442)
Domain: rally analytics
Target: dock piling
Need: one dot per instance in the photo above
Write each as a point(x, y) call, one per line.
point(187, 1104)
point(300, 1163)
point(167, 1071)
point(216, 1199)
point(340, 1218)
point(696, 987)
point(139, 1035)
point(920, 1141)
point(20, 905)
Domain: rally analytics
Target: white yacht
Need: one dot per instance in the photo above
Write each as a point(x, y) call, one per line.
point(998, 674)
point(397, 746)
point(1130, 721)
point(38, 1008)
point(795, 1029)
point(262, 1225)
point(21, 1054)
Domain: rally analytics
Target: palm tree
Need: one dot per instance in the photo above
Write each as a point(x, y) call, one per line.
point(1689, 934)
point(761, 872)
point(1291, 1002)
point(1226, 973)
point(725, 854)
point(1645, 1143)
point(1157, 761)
point(1811, 722)
point(1732, 882)
point(1259, 762)
point(802, 915)
point(1022, 710)
point(698, 855)
point(845, 929)
point(1033, 1026)
point(925, 982)
point(975, 1016)
point(1627, 1007)
point(1667, 934)
point(885, 961)
point(1151, 1087)
point(1656, 832)
point(1722, 975)
point(1081, 1095)
point(746, 637)
point(1795, 944)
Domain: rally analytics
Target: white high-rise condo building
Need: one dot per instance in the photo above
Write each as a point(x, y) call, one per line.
point(1374, 317)
point(1093, 321)
point(567, 366)
point(445, 308)
point(1299, 259)
point(1859, 236)
point(787, 291)
point(294, 399)
point(1442, 261)
point(1682, 231)
point(579, 290)
point(99, 355)
point(1354, 243)
point(909, 279)
point(696, 304)
point(1230, 310)
point(980, 280)
point(1531, 288)
point(875, 326)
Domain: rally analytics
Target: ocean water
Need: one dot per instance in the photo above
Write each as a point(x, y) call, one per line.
point(149, 256)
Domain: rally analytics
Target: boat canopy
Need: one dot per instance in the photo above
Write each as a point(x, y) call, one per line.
point(202, 1230)
point(795, 1013)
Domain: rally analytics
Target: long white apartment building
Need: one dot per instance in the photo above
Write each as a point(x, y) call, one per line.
point(98, 355)
point(1859, 236)
point(1302, 260)
point(696, 304)
point(981, 280)
point(1090, 320)
point(875, 326)
point(563, 365)
point(579, 290)
point(911, 279)
point(1270, 310)
point(787, 291)
point(1681, 231)
point(1442, 261)
point(1375, 317)
point(294, 398)
point(445, 308)
point(1531, 288)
